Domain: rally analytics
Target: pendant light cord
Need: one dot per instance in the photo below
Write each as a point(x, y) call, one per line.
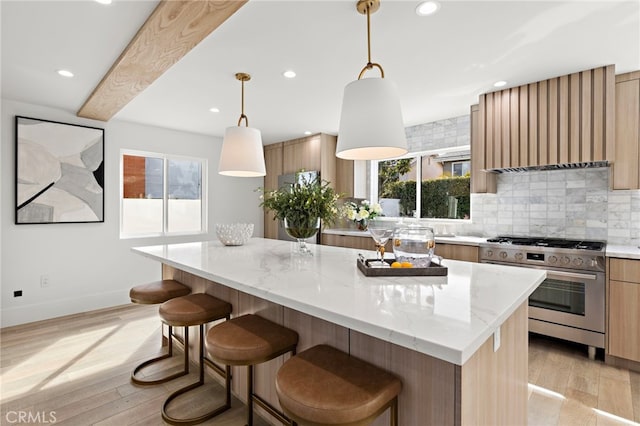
point(242, 116)
point(370, 64)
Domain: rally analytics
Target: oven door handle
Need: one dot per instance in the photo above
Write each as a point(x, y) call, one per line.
point(573, 275)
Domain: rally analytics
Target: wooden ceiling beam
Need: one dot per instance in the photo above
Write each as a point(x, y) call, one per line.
point(171, 31)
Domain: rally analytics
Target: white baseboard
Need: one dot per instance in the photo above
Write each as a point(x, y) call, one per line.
point(57, 308)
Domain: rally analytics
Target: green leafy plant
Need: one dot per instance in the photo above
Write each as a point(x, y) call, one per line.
point(303, 202)
point(435, 196)
point(389, 172)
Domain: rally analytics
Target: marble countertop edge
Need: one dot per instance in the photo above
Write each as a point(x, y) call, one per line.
point(453, 342)
point(623, 251)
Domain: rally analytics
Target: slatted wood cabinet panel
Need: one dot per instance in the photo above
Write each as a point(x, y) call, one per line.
point(624, 315)
point(481, 181)
point(626, 172)
point(568, 119)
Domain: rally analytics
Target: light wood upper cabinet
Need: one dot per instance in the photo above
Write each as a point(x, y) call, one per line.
point(623, 303)
point(312, 153)
point(568, 119)
point(481, 181)
point(273, 163)
point(344, 177)
point(303, 153)
point(626, 172)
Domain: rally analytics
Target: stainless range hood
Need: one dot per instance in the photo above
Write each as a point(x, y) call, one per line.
point(583, 165)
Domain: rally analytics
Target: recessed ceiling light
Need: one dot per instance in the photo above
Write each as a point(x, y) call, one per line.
point(307, 133)
point(214, 109)
point(427, 8)
point(289, 74)
point(104, 1)
point(500, 83)
point(65, 73)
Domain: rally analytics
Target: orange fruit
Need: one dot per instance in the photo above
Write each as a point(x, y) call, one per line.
point(407, 264)
point(396, 265)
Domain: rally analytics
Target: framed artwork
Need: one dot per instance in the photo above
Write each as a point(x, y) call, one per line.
point(59, 172)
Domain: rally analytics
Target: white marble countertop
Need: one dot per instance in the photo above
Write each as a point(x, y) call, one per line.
point(627, 252)
point(445, 317)
point(449, 239)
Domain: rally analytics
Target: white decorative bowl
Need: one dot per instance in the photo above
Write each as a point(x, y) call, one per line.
point(234, 234)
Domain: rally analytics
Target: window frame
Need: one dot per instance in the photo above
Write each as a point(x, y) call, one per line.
point(373, 179)
point(165, 196)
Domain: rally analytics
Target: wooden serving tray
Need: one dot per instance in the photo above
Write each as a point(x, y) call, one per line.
point(433, 270)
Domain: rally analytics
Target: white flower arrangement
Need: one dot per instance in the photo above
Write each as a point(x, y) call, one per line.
point(361, 213)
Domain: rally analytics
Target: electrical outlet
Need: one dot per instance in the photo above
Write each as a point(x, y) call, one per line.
point(44, 281)
point(17, 293)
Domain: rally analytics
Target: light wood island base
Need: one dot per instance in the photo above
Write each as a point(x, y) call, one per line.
point(490, 388)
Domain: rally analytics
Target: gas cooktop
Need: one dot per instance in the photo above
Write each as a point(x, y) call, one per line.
point(549, 242)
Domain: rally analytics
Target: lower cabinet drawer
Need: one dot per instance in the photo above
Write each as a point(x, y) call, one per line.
point(624, 270)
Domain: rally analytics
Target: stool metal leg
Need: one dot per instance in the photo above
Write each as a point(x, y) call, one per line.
point(250, 395)
point(195, 420)
point(253, 398)
point(167, 355)
point(393, 415)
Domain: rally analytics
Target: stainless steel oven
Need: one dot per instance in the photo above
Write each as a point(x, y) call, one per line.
point(570, 303)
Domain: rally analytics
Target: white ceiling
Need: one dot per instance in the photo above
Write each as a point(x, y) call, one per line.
point(439, 63)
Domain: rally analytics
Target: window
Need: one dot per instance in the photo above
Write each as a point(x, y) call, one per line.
point(442, 191)
point(161, 195)
point(460, 168)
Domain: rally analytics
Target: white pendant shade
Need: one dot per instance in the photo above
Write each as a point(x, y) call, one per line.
point(242, 153)
point(371, 126)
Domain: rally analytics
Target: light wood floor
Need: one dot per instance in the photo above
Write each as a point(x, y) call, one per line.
point(566, 388)
point(77, 369)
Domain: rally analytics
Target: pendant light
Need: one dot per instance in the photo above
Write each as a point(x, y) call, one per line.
point(242, 152)
point(371, 126)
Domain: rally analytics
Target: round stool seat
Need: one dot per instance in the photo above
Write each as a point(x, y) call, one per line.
point(193, 309)
point(157, 292)
point(324, 386)
point(248, 340)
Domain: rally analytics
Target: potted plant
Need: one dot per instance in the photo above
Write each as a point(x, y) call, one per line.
point(301, 206)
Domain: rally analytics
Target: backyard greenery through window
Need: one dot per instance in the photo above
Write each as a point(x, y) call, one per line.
point(425, 185)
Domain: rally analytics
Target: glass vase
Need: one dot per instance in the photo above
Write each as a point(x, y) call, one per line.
point(301, 229)
point(362, 224)
point(414, 244)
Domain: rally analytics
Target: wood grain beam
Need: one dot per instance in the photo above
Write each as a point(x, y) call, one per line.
point(171, 31)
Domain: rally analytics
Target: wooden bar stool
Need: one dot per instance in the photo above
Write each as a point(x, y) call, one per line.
point(196, 310)
point(325, 386)
point(150, 294)
point(250, 340)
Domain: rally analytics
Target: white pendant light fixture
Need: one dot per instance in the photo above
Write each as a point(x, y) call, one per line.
point(371, 126)
point(242, 152)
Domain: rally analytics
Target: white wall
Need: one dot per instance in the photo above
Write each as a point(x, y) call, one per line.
point(88, 265)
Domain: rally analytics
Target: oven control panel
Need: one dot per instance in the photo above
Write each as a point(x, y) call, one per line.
point(533, 256)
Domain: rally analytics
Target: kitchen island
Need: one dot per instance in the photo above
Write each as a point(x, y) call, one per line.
point(459, 343)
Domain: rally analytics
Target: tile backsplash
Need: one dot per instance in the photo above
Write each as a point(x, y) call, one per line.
point(564, 203)
point(571, 203)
